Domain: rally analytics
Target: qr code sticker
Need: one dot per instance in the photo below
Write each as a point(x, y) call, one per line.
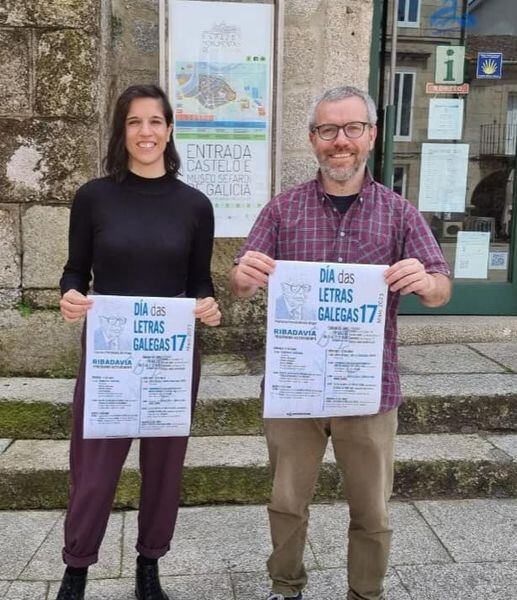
point(498, 260)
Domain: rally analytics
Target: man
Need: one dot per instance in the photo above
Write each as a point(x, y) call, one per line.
point(342, 216)
point(109, 335)
point(291, 305)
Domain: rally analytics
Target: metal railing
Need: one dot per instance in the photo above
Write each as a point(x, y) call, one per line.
point(498, 139)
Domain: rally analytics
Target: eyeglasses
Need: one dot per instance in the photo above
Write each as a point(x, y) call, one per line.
point(114, 321)
point(352, 130)
point(297, 287)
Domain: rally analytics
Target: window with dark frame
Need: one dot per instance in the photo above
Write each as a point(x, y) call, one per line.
point(409, 13)
point(399, 180)
point(404, 87)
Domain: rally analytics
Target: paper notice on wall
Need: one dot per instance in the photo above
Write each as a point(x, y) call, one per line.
point(472, 251)
point(443, 178)
point(445, 119)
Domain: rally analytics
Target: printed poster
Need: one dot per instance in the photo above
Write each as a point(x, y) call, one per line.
point(138, 367)
point(220, 79)
point(325, 339)
point(445, 118)
point(472, 250)
point(443, 177)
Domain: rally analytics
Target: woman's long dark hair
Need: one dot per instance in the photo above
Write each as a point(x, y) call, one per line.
point(116, 161)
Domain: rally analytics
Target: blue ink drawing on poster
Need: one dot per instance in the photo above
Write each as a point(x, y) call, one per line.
point(291, 305)
point(109, 335)
point(489, 65)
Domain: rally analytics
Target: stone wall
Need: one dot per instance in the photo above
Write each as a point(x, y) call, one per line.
point(65, 62)
point(51, 92)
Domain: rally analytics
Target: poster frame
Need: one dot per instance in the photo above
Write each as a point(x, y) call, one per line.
point(275, 77)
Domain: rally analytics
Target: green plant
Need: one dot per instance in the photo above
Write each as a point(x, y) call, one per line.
point(24, 309)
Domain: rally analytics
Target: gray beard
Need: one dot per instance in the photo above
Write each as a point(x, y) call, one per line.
point(342, 175)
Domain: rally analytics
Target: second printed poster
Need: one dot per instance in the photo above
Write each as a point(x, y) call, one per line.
point(325, 339)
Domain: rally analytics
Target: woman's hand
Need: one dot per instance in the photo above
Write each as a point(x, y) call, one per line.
point(207, 311)
point(73, 305)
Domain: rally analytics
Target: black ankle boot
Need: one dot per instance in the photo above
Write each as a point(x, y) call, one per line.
point(72, 587)
point(148, 583)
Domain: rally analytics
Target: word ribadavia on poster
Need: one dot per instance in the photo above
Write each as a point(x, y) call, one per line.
point(138, 367)
point(325, 339)
point(220, 84)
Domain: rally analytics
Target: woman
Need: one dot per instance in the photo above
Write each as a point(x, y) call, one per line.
point(142, 232)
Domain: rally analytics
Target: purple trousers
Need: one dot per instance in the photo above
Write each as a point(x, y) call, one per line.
point(95, 466)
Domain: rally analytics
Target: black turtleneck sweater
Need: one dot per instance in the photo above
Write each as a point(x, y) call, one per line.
point(141, 237)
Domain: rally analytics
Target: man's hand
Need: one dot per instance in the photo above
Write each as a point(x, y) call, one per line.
point(408, 276)
point(251, 273)
point(73, 305)
point(207, 311)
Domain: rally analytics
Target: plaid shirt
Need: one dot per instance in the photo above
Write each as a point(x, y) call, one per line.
point(379, 228)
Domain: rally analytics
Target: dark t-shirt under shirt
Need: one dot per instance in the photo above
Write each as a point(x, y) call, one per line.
point(342, 203)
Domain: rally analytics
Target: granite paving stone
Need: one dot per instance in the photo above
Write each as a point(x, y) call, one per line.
point(24, 455)
point(212, 587)
point(219, 552)
point(33, 389)
point(413, 542)
point(232, 451)
point(504, 353)
point(443, 446)
point(453, 385)
point(452, 358)
point(452, 329)
point(48, 564)
point(4, 444)
point(26, 590)
point(196, 546)
point(248, 586)
point(219, 386)
point(223, 364)
point(494, 537)
point(213, 387)
point(332, 583)
point(479, 581)
point(507, 443)
point(237, 451)
point(22, 535)
point(328, 584)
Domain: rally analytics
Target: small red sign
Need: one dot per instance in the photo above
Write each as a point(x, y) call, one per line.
point(439, 88)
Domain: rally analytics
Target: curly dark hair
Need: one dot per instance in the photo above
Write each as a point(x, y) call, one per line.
point(116, 161)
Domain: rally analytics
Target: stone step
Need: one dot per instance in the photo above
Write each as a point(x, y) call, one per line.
point(226, 469)
point(55, 348)
point(37, 408)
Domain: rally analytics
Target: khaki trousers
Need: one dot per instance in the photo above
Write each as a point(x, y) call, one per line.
point(363, 447)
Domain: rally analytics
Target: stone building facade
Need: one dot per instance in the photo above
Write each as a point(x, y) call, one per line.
point(63, 63)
